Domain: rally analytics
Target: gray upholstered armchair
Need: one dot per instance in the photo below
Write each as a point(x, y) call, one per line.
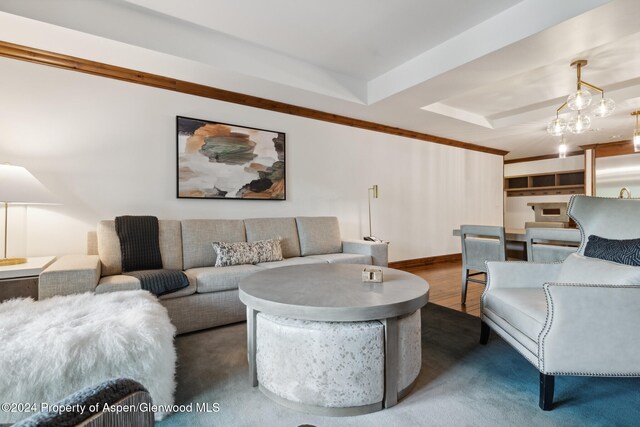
point(579, 316)
point(128, 402)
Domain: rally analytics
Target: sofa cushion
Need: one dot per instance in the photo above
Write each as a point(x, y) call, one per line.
point(109, 248)
point(523, 308)
point(344, 258)
point(273, 228)
point(171, 244)
point(625, 251)
point(169, 234)
point(291, 261)
point(122, 282)
point(581, 269)
point(117, 282)
point(198, 234)
point(319, 235)
point(237, 253)
point(216, 279)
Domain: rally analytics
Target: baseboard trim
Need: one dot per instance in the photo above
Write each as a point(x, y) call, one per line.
point(421, 262)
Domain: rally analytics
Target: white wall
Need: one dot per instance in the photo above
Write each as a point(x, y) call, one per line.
point(107, 148)
point(516, 211)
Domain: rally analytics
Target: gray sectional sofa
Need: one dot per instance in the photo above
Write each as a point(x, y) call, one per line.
point(211, 299)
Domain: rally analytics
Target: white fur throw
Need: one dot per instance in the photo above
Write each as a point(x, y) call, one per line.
point(52, 348)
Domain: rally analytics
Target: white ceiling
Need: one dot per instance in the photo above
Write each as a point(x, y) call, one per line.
point(490, 73)
point(358, 38)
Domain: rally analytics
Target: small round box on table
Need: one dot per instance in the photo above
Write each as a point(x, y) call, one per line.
point(322, 341)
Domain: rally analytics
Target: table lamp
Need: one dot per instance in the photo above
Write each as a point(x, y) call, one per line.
point(18, 186)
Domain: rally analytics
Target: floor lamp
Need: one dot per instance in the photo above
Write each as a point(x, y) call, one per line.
point(18, 186)
point(373, 191)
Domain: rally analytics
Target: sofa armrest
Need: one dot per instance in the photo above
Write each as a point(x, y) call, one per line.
point(70, 274)
point(590, 330)
point(379, 252)
point(520, 274)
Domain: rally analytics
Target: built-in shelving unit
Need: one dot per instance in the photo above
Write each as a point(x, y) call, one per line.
point(566, 182)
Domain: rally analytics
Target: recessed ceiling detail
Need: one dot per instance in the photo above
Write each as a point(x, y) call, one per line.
point(459, 114)
point(489, 73)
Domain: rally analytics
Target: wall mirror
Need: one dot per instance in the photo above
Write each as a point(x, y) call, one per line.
point(617, 171)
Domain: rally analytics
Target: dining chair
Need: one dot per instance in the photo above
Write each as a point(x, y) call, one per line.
point(480, 243)
point(551, 244)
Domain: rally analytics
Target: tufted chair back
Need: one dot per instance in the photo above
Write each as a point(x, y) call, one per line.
point(605, 217)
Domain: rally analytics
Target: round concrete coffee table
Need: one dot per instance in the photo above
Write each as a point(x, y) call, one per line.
point(326, 307)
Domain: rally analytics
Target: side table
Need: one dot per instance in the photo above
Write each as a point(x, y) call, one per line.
point(21, 280)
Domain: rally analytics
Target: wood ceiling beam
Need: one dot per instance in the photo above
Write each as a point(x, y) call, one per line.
point(43, 57)
point(542, 157)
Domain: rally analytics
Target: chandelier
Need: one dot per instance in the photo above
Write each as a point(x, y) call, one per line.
point(579, 101)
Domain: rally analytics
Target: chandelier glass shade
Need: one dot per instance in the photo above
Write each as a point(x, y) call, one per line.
point(604, 107)
point(579, 101)
point(562, 148)
point(579, 124)
point(557, 126)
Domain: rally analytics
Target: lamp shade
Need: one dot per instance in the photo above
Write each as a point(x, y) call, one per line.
point(17, 185)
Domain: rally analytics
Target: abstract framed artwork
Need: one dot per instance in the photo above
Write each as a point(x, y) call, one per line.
point(223, 161)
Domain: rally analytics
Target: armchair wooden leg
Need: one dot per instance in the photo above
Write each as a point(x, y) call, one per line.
point(547, 383)
point(484, 333)
point(465, 276)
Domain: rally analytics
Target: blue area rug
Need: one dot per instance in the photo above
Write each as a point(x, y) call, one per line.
point(461, 384)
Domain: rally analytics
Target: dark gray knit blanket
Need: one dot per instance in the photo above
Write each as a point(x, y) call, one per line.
point(139, 242)
point(141, 258)
point(160, 282)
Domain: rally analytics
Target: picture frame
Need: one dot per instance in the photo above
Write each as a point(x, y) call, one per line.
point(216, 160)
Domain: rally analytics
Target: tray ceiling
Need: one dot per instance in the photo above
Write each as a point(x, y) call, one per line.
point(490, 73)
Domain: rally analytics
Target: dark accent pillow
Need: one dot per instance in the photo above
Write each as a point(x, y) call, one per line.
point(620, 251)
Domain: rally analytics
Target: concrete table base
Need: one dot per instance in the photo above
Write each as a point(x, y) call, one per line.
point(336, 368)
point(321, 364)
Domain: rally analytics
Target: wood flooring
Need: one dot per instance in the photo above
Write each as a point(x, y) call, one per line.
point(445, 285)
